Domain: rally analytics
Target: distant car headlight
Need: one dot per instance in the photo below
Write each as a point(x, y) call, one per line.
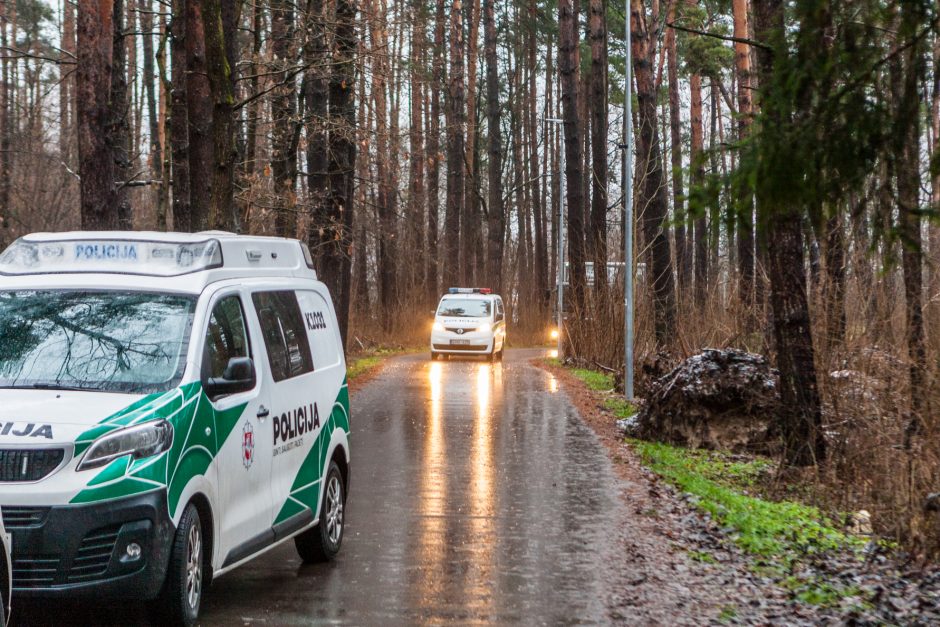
point(486, 327)
point(138, 441)
point(554, 334)
point(437, 326)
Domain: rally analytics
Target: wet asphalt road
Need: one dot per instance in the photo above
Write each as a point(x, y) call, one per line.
point(477, 496)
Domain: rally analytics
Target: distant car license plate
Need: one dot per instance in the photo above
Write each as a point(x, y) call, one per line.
point(460, 342)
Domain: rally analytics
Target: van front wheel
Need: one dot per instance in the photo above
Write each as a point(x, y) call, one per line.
point(322, 543)
point(182, 592)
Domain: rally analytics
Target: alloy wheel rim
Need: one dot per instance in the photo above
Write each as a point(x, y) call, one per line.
point(334, 510)
point(194, 566)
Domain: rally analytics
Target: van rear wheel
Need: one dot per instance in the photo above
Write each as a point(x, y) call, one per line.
point(322, 543)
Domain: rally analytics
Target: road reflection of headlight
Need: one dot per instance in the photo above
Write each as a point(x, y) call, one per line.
point(553, 354)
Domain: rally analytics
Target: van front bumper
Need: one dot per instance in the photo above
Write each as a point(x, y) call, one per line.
point(83, 549)
point(470, 343)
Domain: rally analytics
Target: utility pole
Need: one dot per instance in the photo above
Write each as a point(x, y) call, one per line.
point(560, 278)
point(628, 212)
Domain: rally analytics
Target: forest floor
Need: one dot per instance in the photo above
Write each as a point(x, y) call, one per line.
point(715, 549)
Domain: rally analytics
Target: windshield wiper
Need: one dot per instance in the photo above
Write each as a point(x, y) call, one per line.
point(56, 386)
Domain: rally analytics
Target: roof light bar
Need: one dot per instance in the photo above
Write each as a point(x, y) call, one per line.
point(110, 256)
point(470, 290)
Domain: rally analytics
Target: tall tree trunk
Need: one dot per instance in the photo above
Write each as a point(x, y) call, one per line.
point(697, 180)
point(99, 197)
point(434, 155)
point(218, 40)
point(598, 234)
point(683, 249)
point(652, 194)
point(415, 228)
point(540, 265)
point(323, 229)
point(568, 62)
point(496, 218)
point(283, 113)
point(744, 196)
point(470, 224)
point(179, 121)
point(386, 200)
point(199, 112)
point(801, 419)
point(66, 82)
point(254, 107)
point(6, 129)
point(118, 132)
point(156, 147)
point(342, 164)
point(454, 107)
point(907, 146)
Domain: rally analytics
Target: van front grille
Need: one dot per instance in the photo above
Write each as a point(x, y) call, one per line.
point(94, 554)
point(23, 517)
point(34, 571)
point(29, 464)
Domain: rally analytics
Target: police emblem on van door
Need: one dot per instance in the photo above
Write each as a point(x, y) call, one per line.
point(248, 445)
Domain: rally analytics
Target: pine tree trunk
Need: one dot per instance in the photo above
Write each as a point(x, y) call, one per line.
point(99, 197)
point(801, 419)
point(540, 265)
point(683, 249)
point(496, 218)
point(598, 234)
point(744, 197)
point(652, 194)
point(324, 227)
point(179, 121)
point(66, 83)
point(199, 112)
point(222, 213)
point(118, 124)
point(469, 233)
point(697, 179)
point(454, 112)
point(568, 61)
point(155, 146)
point(434, 154)
point(342, 164)
point(6, 130)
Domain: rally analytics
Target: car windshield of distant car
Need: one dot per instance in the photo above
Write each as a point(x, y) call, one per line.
point(465, 308)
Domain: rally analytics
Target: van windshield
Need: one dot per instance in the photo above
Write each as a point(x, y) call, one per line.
point(464, 308)
point(133, 342)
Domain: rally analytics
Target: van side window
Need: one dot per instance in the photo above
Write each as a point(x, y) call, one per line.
point(499, 310)
point(285, 337)
point(226, 337)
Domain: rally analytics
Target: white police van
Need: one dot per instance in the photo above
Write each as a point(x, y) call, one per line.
point(171, 406)
point(469, 321)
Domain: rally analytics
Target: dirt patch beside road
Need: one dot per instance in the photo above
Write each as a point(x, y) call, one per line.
point(677, 567)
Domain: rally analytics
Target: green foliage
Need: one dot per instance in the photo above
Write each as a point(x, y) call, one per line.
point(358, 367)
point(782, 531)
point(619, 407)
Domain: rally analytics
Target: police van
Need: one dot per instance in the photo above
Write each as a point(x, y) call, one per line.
point(469, 321)
point(171, 406)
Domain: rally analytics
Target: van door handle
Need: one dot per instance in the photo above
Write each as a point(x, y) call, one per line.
point(263, 412)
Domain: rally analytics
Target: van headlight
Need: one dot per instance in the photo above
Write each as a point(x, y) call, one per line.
point(437, 326)
point(486, 327)
point(139, 441)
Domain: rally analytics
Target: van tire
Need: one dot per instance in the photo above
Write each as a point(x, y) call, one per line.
point(433, 356)
point(182, 591)
point(322, 542)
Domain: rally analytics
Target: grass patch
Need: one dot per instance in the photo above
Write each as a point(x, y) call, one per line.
point(781, 531)
point(594, 379)
point(619, 407)
point(702, 556)
point(357, 367)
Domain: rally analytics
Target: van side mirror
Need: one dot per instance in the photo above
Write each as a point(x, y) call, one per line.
point(239, 376)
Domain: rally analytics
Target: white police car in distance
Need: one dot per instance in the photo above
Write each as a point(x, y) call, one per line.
point(469, 321)
point(171, 406)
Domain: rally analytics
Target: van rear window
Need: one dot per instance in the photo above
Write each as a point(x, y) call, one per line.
point(105, 341)
point(285, 337)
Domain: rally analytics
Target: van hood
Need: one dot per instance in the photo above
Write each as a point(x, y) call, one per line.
point(41, 417)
